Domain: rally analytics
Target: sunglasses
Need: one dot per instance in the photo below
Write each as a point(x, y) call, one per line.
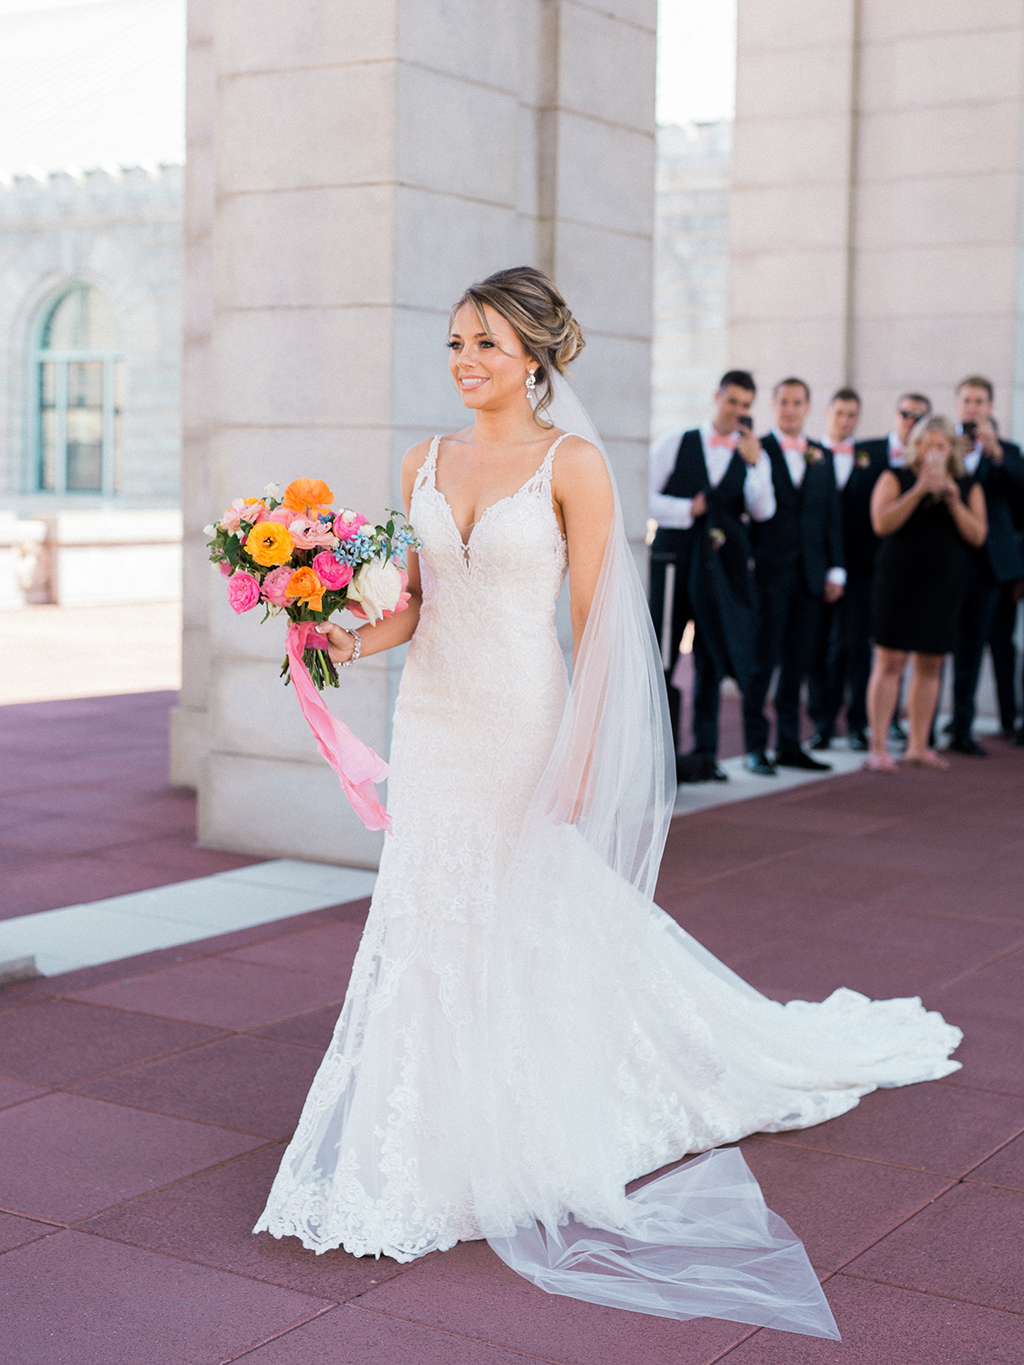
point(911, 416)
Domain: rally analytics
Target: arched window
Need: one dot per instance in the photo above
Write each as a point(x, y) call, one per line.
point(77, 384)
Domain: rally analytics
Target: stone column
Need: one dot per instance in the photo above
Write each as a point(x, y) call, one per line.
point(876, 198)
point(370, 160)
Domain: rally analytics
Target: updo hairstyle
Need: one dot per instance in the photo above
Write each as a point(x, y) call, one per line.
point(534, 308)
point(955, 462)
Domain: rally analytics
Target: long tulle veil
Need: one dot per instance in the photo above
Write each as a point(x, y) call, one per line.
point(612, 769)
point(699, 1241)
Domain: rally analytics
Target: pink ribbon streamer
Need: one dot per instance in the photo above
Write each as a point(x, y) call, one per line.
point(356, 764)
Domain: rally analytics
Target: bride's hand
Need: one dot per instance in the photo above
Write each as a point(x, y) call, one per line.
point(341, 646)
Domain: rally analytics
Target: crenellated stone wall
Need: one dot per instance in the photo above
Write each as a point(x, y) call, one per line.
point(120, 231)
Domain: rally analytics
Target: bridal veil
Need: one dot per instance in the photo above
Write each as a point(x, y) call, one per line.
point(699, 1240)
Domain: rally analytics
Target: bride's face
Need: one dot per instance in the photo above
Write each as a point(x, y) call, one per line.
point(489, 371)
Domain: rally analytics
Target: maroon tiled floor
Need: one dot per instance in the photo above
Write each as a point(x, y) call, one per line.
point(86, 810)
point(143, 1103)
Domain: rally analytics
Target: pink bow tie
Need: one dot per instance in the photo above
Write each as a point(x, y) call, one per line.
point(718, 440)
point(843, 448)
point(797, 443)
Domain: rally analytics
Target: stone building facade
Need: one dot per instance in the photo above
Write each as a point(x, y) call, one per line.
point(691, 272)
point(876, 225)
point(90, 384)
point(339, 196)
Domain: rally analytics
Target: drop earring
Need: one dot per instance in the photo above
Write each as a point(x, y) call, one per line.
point(531, 383)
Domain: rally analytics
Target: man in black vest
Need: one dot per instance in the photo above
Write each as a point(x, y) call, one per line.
point(842, 655)
point(798, 565)
point(998, 565)
point(703, 485)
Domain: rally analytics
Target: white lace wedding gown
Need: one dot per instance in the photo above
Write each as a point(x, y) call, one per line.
point(517, 1043)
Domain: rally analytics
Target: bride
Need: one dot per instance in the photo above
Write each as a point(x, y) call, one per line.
point(525, 1031)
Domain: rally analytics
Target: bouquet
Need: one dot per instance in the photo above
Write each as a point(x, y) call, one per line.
point(295, 555)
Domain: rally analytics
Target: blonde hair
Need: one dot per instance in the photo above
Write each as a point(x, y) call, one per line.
point(955, 462)
point(538, 314)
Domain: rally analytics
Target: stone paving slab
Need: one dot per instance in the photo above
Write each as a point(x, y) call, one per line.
point(144, 1105)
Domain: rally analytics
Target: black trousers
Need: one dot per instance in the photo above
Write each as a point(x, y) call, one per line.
point(841, 661)
point(670, 609)
point(665, 588)
point(787, 627)
point(974, 628)
point(1004, 654)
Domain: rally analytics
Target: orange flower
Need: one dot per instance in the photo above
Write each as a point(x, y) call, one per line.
point(308, 495)
point(306, 586)
point(269, 543)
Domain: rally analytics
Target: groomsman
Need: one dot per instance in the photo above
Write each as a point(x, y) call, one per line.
point(842, 660)
point(999, 564)
point(704, 484)
point(910, 408)
point(798, 566)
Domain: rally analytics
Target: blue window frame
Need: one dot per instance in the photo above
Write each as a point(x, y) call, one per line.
point(77, 383)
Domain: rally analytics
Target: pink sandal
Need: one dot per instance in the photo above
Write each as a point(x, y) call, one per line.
point(929, 759)
point(880, 763)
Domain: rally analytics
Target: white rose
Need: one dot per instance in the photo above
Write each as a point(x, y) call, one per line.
point(209, 530)
point(272, 490)
point(376, 586)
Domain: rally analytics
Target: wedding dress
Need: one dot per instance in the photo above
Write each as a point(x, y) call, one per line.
point(524, 1030)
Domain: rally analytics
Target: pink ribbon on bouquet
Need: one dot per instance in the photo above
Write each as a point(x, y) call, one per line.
point(356, 764)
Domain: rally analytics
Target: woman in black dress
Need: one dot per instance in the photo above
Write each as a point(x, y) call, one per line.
point(930, 516)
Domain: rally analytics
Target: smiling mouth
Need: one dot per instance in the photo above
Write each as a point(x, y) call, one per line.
point(471, 381)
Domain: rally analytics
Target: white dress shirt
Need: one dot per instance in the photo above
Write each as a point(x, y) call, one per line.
point(677, 513)
point(973, 457)
point(841, 458)
point(797, 466)
point(897, 452)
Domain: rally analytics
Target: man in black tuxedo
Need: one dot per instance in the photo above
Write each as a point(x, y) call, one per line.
point(798, 565)
point(999, 564)
point(704, 484)
point(910, 408)
point(841, 664)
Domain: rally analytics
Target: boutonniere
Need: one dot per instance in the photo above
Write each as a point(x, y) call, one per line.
point(814, 454)
point(717, 537)
point(862, 459)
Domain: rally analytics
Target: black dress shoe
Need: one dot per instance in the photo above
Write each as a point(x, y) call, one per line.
point(699, 768)
point(796, 758)
point(758, 762)
point(966, 745)
point(897, 734)
point(858, 741)
point(1018, 739)
point(947, 729)
point(820, 741)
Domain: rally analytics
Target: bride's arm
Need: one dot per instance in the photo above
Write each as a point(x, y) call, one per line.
point(397, 629)
point(582, 492)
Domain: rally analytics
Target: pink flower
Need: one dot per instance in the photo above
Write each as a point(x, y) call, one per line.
point(307, 533)
point(225, 568)
point(283, 515)
point(332, 574)
point(243, 592)
point(347, 523)
point(274, 586)
point(250, 510)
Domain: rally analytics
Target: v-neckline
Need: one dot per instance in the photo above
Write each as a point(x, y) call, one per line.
point(467, 541)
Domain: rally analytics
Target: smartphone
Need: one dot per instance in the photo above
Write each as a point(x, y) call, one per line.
point(970, 430)
point(745, 423)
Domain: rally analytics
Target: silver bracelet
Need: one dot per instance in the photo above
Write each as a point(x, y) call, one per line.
point(357, 646)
